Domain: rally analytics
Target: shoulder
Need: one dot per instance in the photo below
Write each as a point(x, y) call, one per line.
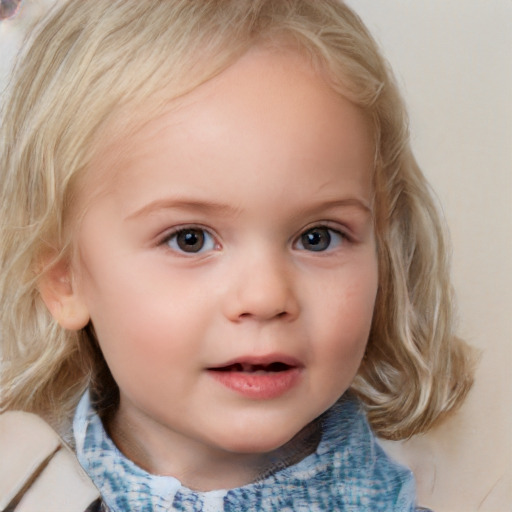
point(347, 471)
point(374, 474)
point(38, 471)
point(361, 470)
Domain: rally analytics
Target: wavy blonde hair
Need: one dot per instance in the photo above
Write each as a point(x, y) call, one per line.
point(92, 59)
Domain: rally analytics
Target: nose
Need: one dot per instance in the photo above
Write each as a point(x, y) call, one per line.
point(262, 288)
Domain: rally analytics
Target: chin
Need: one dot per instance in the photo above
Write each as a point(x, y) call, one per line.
point(263, 440)
point(250, 444)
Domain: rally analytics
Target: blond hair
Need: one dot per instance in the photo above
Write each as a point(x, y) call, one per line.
point(91, 59)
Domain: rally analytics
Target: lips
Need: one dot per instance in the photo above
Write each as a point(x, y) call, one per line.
point(259, 378)
point(269, 362)
point(277, 366)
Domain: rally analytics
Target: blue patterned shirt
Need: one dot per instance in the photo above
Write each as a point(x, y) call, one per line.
point(348, 471)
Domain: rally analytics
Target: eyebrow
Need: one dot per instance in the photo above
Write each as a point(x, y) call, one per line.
point(360, 204)
point(212, 207)
point(207, 207)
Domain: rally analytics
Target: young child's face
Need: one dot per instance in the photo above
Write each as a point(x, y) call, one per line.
point(227, 258)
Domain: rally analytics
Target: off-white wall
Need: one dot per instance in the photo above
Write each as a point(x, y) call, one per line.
point(453, 59)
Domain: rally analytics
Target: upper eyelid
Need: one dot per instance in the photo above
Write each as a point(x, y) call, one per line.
point(166, 235)
point(337, 230)
point(336, 226)
point(183, 227)
point(331, 225)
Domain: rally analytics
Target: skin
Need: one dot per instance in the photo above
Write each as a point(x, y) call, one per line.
point(252, 159)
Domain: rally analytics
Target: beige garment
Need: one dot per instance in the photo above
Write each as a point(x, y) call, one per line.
point(38, 472)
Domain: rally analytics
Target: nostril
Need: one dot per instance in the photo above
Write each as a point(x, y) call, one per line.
point(281, 314)
point(260, 300)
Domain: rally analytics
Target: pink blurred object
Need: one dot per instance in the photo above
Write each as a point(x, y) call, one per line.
point(8, 8)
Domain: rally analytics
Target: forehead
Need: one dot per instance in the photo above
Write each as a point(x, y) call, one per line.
point(268, 101)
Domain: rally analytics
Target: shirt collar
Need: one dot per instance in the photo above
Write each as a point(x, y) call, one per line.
point(347, 469)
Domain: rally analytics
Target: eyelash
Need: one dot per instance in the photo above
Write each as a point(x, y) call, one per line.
point(198, 233)
point(197, 237)
point(332, 234)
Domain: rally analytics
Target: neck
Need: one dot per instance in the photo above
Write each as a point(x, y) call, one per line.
point(213, 468)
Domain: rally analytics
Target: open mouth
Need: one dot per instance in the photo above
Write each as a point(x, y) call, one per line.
point(274, 367)
point(259, 377)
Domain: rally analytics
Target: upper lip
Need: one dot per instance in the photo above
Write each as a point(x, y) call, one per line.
point(251, 362)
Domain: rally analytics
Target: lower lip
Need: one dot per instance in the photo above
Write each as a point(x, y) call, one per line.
point(259, 386)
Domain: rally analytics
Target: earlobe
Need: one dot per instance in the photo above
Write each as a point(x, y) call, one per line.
point(61, 298)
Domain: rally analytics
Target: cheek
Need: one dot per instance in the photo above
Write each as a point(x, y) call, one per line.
point(146, 327)
point(345, 318)
point(145, 353)
point(349, 298)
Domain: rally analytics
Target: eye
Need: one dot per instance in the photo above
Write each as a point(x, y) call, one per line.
point(319, 238)
point(191, 240)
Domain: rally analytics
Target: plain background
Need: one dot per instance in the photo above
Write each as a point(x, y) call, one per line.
point(453, 61)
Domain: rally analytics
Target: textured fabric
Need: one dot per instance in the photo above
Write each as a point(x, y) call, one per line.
point(347, 472)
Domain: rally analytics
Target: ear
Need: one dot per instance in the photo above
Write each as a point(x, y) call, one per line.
point(61, 298)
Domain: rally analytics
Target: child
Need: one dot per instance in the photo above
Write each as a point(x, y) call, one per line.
point(220, 257)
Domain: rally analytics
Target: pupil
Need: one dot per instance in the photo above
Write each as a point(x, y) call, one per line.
point(190, 240)
point(317, 239)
